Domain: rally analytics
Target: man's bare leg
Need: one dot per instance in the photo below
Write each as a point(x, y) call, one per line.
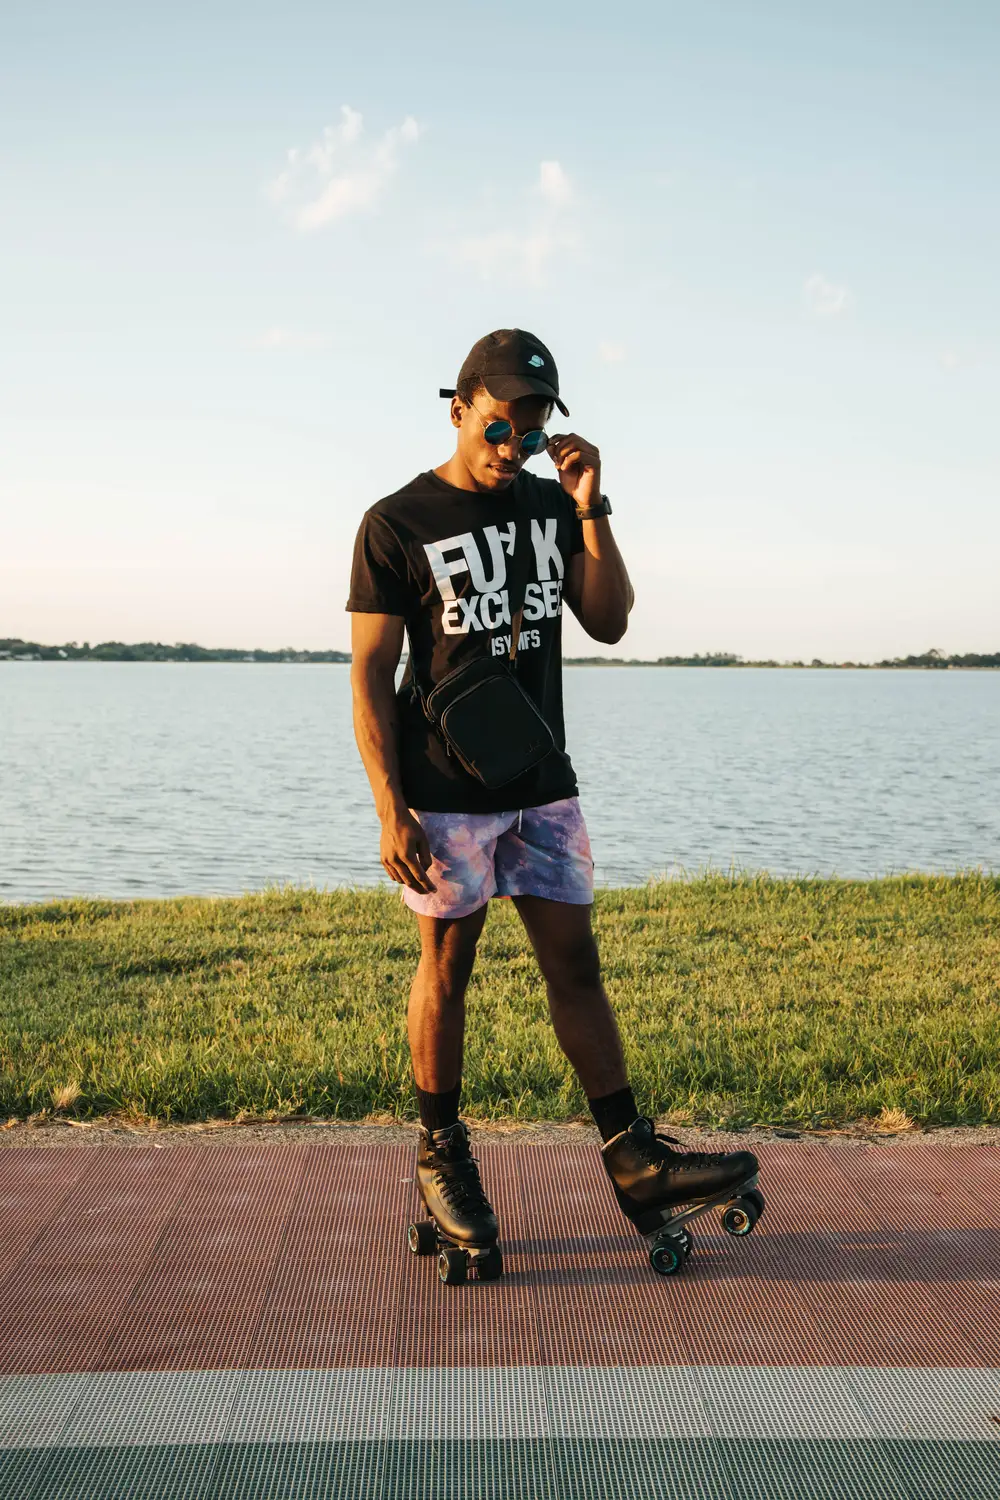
point(584, 1022)
point(447, 1174)
point(651, 1180)
point(436, 1015)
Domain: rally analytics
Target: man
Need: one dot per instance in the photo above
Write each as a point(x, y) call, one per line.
point(434, 559)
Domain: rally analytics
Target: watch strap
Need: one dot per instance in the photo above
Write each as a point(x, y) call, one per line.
point(591, 512)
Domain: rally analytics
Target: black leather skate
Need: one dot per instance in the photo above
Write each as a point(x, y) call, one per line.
point(460, 1225)
point(660, 1189)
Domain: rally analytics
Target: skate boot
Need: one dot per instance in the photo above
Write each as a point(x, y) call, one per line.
point(661, 1189)
point(460, 1225)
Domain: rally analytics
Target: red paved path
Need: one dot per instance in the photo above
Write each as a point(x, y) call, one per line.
point(293, 1257)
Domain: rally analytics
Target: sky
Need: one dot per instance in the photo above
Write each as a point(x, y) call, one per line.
point(242, 246)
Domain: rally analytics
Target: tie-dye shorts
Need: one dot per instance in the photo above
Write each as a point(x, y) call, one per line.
point(540, 851)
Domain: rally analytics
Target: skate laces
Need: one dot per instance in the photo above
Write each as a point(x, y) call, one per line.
point(652, 1151)
point(457, 1176)
point(461, 1188)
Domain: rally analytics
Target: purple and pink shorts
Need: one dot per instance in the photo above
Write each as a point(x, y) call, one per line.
point(538, 851)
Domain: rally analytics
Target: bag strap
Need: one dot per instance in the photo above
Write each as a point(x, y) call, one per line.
point(517, 581)
point(517, 585)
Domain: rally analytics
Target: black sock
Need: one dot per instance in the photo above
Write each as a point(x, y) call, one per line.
point(614, 1112)
point(438, 1111)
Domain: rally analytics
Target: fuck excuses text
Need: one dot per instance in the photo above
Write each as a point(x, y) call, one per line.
point(483, 557)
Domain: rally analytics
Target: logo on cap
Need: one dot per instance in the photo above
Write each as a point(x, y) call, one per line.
point(537, 361)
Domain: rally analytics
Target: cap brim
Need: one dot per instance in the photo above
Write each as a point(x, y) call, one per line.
point(513, 387)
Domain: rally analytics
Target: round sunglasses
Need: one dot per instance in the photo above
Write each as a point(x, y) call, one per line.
point(502, 431)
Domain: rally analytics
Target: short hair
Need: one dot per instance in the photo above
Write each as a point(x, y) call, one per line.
point(468, 386)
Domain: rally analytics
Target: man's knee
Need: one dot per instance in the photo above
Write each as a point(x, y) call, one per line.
point(574, 967)
point(448, 952)
point(446, 982)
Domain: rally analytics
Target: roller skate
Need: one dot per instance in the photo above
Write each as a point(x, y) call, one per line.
point(460, 1225)
point(661, 1190)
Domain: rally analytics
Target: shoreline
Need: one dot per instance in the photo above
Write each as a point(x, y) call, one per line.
point(567, 661)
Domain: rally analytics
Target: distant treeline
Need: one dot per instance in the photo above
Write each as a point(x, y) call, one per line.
point(153, 651)
point(17, 650)
point(933, 659)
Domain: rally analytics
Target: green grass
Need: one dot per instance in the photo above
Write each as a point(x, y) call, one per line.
point(741, 1000)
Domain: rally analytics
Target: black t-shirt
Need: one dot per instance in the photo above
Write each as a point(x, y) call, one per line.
point(438, 557)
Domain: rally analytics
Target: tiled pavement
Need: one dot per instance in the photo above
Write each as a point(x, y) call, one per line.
point(203, 1322)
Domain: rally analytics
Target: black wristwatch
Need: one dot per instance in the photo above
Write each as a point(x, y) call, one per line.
point(591, 512)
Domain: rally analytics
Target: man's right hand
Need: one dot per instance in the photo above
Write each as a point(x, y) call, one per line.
point(405, 852)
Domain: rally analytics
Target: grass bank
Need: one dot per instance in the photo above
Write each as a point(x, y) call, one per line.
point(745, 1000)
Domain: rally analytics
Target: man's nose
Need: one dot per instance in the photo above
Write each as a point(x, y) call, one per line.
point(510, 448)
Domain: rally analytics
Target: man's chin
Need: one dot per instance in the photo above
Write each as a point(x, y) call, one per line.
point(497, 479)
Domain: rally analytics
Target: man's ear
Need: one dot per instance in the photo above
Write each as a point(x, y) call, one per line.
point(457, 408)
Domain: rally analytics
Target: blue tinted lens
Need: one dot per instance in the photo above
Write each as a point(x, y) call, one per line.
point(497, 432)
point(533, 442)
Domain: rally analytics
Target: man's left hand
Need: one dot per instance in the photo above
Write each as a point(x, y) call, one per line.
point(579, 465)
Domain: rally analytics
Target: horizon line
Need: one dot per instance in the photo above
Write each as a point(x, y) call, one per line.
point(14, 648)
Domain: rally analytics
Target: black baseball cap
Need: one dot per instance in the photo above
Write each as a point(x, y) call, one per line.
point(512, 363)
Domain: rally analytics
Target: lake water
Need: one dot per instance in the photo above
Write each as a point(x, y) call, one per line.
point(136, 779)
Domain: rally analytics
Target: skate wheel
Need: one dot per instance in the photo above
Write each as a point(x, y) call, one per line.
point(422, 1237)
point(756, 1197)
point(453, 1267)
point(489, 1265)
point(667, 1257)
point(686, 1243)
point(739, 1216)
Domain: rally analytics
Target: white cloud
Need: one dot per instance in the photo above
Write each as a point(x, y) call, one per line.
point(524, 254)
point(280, 337)
point(553, 184)
point(824, 298)
point(612, 354)
point(340, 173)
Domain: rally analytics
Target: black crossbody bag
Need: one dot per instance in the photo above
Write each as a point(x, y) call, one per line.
point(481, 711)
